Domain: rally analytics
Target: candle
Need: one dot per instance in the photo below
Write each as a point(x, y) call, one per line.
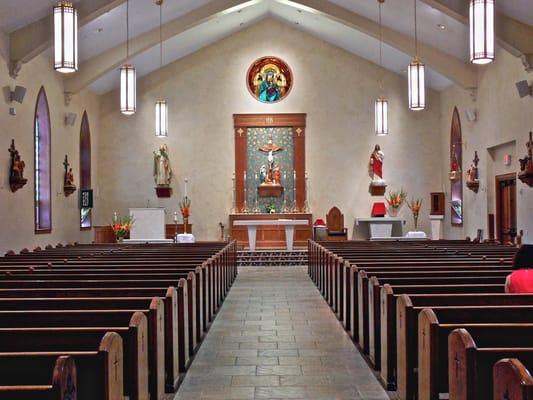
point(175, 216)
point(294, 178)
point(115, 218)
point(186, 180)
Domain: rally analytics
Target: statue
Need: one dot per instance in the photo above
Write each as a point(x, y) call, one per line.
point(375, 165)
point(526, 163)
point(16, 173)
point(162, 171)
point(472, 174)
point(68, 179)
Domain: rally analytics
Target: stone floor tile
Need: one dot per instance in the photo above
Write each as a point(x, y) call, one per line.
point(276, 338)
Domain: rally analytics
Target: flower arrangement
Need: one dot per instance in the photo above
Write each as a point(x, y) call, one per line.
point(185, 207)
point(415, 206)
point(122, 226)
point(395, 199)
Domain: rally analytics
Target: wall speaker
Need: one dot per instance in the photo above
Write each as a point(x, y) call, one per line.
point(70, 118)
point(471, 114)
point(18, 94)
point(523, 89)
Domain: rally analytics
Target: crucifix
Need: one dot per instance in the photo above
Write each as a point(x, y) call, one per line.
point(271, 174)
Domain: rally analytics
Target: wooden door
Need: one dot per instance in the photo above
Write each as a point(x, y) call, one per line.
point(506, 208)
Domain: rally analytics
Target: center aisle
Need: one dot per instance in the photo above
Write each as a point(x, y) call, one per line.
point(276, 338)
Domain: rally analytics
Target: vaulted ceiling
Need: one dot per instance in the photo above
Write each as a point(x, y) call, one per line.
point(189, 25)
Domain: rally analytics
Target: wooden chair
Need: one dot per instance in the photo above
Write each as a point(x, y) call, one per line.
point(335, 225)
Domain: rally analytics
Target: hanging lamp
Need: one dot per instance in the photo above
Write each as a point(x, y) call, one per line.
point(161, 110)
point(416, 79)
point(65, 38)
point(481, 31)
point(381, 105)
point(128, 95)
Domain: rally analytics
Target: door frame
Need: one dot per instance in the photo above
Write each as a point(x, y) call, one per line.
point(498, 179)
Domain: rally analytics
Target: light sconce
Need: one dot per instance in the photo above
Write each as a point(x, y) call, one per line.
point(65, 37)
point(416, 79)
point(481, 31)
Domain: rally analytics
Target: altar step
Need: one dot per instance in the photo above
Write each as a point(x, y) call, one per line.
point(269, 258)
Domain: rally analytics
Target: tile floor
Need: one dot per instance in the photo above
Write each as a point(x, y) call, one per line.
point(276, 338)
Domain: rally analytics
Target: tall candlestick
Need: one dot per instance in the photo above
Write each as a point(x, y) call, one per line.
point(186, 180)
point(175, 216)
point(115, 218)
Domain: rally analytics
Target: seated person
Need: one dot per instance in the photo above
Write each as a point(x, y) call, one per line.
point(521, 280)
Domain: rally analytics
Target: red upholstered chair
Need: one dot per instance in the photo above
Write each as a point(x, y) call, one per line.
point(335, 225)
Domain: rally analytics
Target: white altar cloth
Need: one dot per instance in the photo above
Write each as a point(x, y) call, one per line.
point(382, 227)
point(288, 223)
point(185, 238)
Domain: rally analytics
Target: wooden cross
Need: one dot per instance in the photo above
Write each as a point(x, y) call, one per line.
point(116, 367)
point(456, 359)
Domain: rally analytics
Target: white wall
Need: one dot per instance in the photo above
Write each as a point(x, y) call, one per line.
point(17, 209)
point(502, 126)
point(334, 88)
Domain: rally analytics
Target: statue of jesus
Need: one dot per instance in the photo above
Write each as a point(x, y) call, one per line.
point(270, 148)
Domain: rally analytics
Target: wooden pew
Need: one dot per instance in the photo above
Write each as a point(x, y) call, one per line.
point(471, 357)
point(435, 324)
point(140, 359)
point(373, 310)
point(512, 381)
point(99, 362)
point(37, 377)
point(388, 300)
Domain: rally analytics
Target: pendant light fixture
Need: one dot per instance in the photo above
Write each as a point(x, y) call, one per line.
point(65, 37)
point(481, 31)
point(416, 79)
point(381, 108)
point(128, 96)
point(161, 111)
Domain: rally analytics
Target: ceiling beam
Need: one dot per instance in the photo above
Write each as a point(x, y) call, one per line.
point(512, 35)
point(101, 64)
point(462, 73)
point(31, 40)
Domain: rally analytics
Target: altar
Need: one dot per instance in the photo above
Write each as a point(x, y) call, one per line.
point(271, 230)
point(379, 227)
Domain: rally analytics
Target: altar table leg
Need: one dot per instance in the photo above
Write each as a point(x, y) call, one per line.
point(289, 235)
point(252, 230)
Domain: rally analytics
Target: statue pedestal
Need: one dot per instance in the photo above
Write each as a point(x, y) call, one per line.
point(163, 191)
point(377, 189)
point(266, 190)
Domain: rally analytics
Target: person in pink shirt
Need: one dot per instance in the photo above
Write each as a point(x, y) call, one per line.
point(521, 280)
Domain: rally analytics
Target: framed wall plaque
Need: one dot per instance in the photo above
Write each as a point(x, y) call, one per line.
point(269, 79)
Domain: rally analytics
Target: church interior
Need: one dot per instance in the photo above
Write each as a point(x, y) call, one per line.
point(255, 124)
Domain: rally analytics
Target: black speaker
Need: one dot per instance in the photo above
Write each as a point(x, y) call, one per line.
point(523, 89)
point(18, 94)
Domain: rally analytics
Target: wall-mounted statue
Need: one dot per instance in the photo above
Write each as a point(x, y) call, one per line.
point(162, 171)
point(16, 171)
point(375, 170)
point(472, 174)
point(68, 178)
point(526, 164)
